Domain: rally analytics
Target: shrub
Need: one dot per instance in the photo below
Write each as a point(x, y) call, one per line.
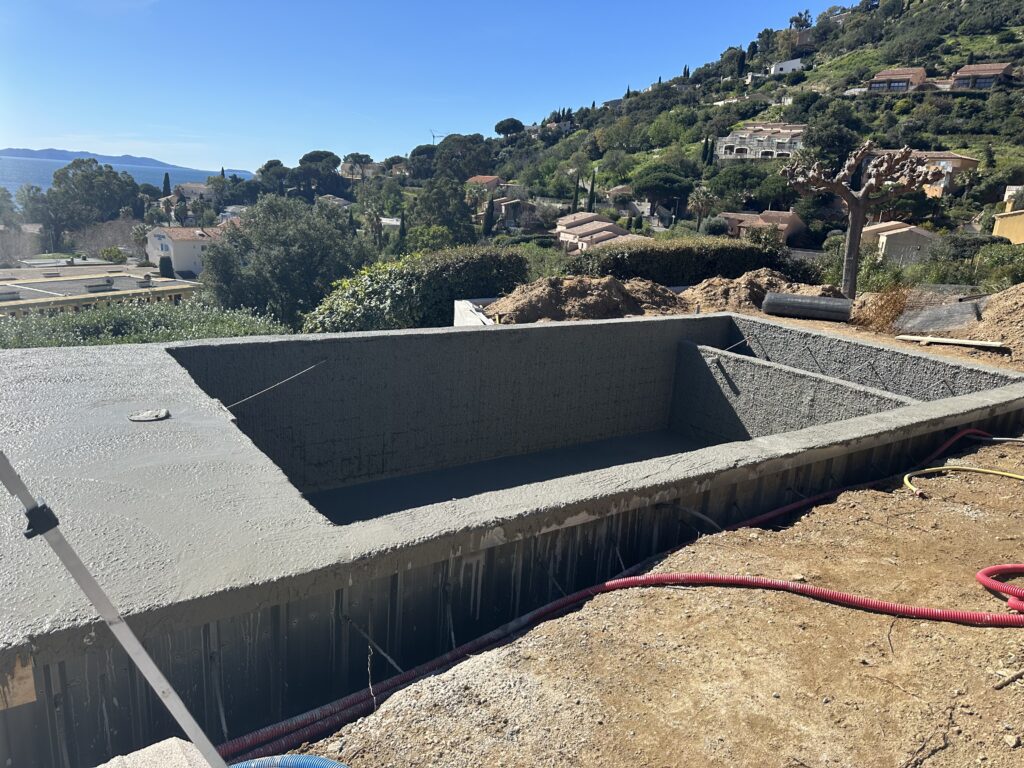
point(133, 323)
point(673, 262)
point(113, 254)
point(715, 226)
point(417, 291)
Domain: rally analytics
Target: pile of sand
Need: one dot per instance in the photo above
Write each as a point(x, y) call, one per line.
point(747, 291)
point(583, 298)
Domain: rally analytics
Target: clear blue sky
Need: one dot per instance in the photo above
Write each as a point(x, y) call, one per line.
point(211, 83)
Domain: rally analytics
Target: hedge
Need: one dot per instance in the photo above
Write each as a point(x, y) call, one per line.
point(133, 323)
point(417, 291)
point(674, 262)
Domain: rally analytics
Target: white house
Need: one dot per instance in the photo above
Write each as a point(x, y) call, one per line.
point(193, 190)
point(785, 67)
point(184, 246)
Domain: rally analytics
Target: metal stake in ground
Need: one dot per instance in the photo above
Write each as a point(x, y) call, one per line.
point(43, 522)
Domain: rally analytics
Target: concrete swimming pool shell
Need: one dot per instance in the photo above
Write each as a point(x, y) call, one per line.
point(418, 488)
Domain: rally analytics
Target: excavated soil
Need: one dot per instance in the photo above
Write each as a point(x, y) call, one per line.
point(1003, 320)
point(600, 298)
point(747, 291)
point(583, 298)
point(732, 678)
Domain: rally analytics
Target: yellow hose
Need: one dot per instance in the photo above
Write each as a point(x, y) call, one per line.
point(936, 470)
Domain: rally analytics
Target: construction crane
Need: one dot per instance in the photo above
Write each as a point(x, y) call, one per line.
point(434, 136)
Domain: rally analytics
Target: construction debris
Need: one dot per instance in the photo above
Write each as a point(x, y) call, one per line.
point(924, 341)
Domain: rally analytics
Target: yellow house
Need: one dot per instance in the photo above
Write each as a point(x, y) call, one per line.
point(1011, 226)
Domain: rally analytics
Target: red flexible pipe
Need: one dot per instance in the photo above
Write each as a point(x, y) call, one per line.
point(361, 703)
point(316, 722)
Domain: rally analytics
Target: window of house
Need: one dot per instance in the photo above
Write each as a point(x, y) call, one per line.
point(984, 82)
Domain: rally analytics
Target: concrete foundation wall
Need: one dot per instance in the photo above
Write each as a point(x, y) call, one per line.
point(396, 404)
point(722, 396)
point(916, 376)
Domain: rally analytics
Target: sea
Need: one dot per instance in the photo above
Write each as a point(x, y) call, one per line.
point(16, 171)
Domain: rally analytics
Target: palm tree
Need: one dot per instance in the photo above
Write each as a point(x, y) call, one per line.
point(702, 202)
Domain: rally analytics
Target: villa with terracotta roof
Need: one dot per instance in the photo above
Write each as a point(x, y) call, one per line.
point(788, 223)
point(898, 80)
point(980, 77)
point(490, 183)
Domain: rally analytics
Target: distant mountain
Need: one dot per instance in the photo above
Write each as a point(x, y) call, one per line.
point(66, 156)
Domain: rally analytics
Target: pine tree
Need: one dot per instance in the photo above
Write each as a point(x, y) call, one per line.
point(576, 194)
point(167, 184)
point(592, 196)
point(488, 225)
point(988, 156)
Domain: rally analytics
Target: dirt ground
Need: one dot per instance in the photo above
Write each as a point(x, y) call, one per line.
point(737, 678)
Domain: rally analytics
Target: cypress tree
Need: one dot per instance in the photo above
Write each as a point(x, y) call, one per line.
point(659, 79)
point(592, 196)
point(222, 171)
point(686, 71)
point(593, 105)
point(629, 222)
point(628, 92)
point(488, 225)
point(576, 194)
point(167, 184)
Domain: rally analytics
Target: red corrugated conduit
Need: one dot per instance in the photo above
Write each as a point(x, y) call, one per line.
point(324, 720)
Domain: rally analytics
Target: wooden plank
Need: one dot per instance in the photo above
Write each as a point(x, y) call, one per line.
point(995, 346)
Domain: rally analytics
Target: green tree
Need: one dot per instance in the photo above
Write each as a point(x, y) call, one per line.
point(359, 161)
point(181, 211)
point(140, 234)
point(801, 20)
point(508, 127)
point(283, 258)
point(702, 202)
point(575, 195)
point(661, 185)
point(442, 203)
point(167, 184)
point(592, 194)
point(429, 238)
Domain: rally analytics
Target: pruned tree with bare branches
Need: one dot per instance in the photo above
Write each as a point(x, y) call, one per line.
point(885, 177)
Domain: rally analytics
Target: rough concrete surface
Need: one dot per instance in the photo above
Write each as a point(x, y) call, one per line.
point(240, 586)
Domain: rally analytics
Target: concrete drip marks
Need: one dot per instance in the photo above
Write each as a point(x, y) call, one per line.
point(417, 487)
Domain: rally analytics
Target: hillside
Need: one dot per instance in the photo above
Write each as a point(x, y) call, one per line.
point(66, 156)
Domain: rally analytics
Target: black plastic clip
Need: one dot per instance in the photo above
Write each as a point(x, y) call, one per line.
point(40, 520)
